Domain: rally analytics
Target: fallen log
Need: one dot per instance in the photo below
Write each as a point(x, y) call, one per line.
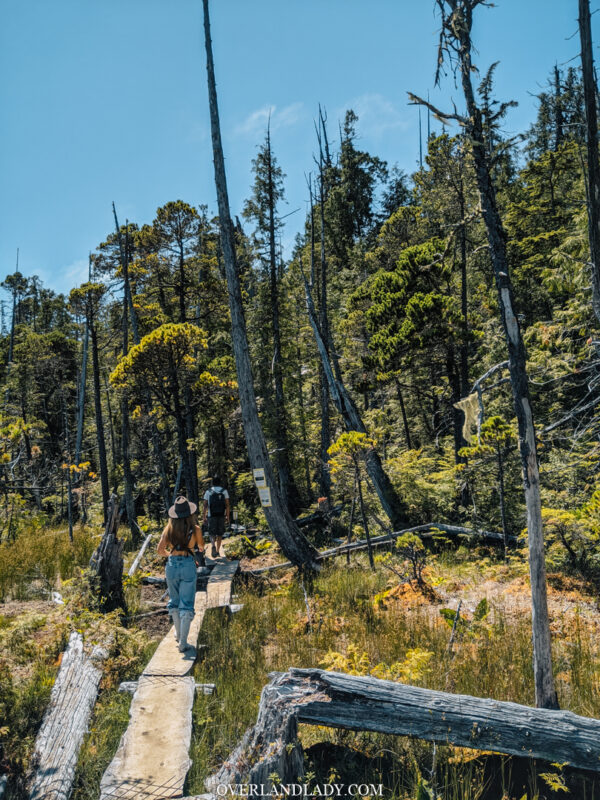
point(139, 556)
point(424, 531)
point(65, 722)
point(336, 700)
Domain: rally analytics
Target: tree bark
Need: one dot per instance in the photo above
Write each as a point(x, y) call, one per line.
point(542, 657)
point(363, 703)
point(81, 398)
point(127, 474)
point(404, 417)
point(295, 546)
point(106, 563)
point(287, 485)
point(65, 722)
point(364, 518)
point(102, 463)
point(591, 117)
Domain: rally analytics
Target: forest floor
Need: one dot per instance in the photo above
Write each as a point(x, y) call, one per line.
point(353, 620)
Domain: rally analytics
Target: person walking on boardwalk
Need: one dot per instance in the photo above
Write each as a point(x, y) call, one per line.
point(179, 538)
point(216, 511)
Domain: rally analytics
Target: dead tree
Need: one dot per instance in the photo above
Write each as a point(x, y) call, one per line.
point(65, 723)
point(363, 703)
point(106, 563)
point(456, 47)
point(392, 504)
point(125, 428)
point(296, 547)
point(591, 119)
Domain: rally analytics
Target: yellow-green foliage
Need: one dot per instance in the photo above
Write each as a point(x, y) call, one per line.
point(171, 344)
point(426, 480)
point(415, 665)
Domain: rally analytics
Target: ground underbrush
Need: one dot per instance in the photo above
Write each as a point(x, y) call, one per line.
point(31, 564)
point(354, 620)
point(33, 637)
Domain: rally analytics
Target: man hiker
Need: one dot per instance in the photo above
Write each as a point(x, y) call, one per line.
point(216, 510)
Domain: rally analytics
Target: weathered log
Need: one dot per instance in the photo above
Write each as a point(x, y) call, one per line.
point(65, 722)
point(139, 556)
point(317, 697)
point(424, 531)
point(269, 747)
point(106, 563)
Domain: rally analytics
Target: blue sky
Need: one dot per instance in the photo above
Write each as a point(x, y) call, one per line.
point(106, 100)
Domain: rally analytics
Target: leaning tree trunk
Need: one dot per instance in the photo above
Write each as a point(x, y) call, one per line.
point(392, 504)
point(591, 118)
point(459, 26)
point(296, 547)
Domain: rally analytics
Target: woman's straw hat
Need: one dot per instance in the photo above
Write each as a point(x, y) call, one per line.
point(182, 508)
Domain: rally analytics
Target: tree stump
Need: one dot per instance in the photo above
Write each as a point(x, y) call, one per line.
point(106, 563)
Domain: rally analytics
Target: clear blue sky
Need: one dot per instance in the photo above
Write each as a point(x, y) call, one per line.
point(106, 100)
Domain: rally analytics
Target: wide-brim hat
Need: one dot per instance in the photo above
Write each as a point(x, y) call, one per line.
point(182, 508)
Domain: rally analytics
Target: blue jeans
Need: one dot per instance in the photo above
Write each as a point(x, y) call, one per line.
point(181, 582)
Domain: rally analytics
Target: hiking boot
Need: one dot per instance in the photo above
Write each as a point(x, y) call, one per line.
point(186, 621)
point(213, 552)
point(174, 612)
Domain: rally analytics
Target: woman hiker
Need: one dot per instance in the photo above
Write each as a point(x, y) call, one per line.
point(181, 534)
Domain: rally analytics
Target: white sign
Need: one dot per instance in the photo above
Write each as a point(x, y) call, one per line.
point(259, 478)
point(265, 497)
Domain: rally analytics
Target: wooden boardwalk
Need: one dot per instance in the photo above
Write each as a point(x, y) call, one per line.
point(152, 759)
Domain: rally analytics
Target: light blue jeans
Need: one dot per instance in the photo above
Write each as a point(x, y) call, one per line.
point(181, 582)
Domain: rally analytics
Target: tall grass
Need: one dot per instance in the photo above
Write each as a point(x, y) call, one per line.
point(489, 659)
point(36, 559)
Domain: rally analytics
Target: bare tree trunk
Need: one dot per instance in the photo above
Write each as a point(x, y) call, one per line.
point(457, 27)
point(113, 443)
point(392, 504)
point(364, 517)
point(68, 462)
point(81, 398)
point(99, 420)
point(127, 474)
point(287, 485)
point(292, 542)
point(502, 498)
point(302, 414)
point(559, 119)
point(591, 116)
point(404, 417)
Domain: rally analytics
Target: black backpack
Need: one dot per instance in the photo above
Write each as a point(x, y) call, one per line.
point(216, 504)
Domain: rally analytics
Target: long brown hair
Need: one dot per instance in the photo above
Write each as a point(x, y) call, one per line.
point(179, 531)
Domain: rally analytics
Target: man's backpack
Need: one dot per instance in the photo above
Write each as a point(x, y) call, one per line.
point(216, 504)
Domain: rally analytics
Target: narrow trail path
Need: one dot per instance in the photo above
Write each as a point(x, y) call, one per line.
point(152, 759)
